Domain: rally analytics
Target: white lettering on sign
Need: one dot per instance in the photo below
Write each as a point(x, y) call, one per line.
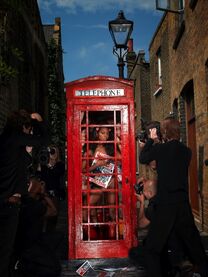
point(100, 92)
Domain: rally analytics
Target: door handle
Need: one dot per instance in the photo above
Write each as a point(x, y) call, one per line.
point(127, 180)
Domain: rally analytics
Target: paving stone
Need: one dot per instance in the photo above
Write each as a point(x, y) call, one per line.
point(123, 267)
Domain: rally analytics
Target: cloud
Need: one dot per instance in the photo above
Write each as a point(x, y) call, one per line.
point(73, 6)
point(97, 26)
point(46, 5)
point(99, 45)
point(83, 52)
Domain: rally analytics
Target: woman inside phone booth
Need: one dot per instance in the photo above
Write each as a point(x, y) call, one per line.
point(101, 162)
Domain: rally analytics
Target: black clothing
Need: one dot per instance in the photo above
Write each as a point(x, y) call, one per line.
point(172, 161)
point(31, 220)
point(13, 169)
point(150, 208)
point(24, 170)
point(53, 178)
point(12, 149)
point(9, 221)
point(35, 250)
point(172, 210)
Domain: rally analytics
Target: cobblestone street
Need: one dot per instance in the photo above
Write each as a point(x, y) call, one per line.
point(102, 267)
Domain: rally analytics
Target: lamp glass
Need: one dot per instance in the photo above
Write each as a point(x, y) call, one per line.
point(120, 33)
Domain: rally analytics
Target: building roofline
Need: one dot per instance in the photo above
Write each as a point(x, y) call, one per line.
point(136, 63)
point(157, 29)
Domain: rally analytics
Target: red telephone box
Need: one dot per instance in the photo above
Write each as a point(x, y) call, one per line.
point(101, 167)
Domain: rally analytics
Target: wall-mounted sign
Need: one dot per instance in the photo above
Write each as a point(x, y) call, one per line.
point(100, 92)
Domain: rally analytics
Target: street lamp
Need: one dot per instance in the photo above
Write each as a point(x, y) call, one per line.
point(176, 6)
point(120, 30)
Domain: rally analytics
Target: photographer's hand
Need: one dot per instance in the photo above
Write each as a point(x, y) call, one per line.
point(153, 134)
point(140, 198)
point(141, 144)
point(36, 116)
point(15, 199)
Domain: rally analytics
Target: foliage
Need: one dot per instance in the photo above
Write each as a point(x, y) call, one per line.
point(6, 70)
point(56, 99)
point(9, 54)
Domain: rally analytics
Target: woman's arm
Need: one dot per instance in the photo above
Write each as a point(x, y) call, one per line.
point(99, 162)
point(51, 209)
point(143, 222)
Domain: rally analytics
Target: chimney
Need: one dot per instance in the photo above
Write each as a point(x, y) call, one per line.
point(130, 45)
point(130, 57)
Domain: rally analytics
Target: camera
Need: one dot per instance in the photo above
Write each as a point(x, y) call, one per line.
point(139, 188)
point(144, 133)
point(44, 153)
point(142, 136)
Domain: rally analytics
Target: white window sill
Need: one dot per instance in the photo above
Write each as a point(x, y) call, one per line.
point(158, 91)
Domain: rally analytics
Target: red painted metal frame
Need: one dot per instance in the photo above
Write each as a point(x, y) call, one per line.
point(99, 249)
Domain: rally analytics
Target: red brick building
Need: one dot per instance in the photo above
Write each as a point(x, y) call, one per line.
point(179, 86)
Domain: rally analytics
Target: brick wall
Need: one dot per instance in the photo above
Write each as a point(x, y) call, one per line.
point(160, 102)
point(140, 73)
point(184, 56)
point(28, 89)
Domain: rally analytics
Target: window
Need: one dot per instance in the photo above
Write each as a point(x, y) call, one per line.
point(159, 70)
point(175, 6)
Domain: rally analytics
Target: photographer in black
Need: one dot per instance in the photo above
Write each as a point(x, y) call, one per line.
point(52, 171)
point(36, 206)
point(173, 259)
point(13, 171)
point(172, 209)
point(35, 249)
point(145, 190)
point(173, 256)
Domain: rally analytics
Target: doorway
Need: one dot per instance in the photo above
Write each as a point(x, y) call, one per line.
point(188, 95)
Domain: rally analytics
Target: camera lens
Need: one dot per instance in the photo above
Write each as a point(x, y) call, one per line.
point(43, 156)
point(52, 151)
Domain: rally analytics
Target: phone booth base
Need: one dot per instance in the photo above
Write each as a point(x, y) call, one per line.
point(101, 167)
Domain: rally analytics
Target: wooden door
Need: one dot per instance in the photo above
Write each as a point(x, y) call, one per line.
point(191, 128)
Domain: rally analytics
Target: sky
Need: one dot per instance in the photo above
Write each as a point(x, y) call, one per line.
point(86, 41)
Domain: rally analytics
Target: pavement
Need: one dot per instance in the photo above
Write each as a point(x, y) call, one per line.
point(116, 267)
point(102, 268)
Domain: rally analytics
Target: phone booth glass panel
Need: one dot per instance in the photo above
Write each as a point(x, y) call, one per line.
point(101, 167)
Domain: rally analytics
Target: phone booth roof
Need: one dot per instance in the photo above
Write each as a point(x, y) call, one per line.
point(99, 87)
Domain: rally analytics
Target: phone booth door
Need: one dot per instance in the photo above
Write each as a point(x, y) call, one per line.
point(101, 168)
